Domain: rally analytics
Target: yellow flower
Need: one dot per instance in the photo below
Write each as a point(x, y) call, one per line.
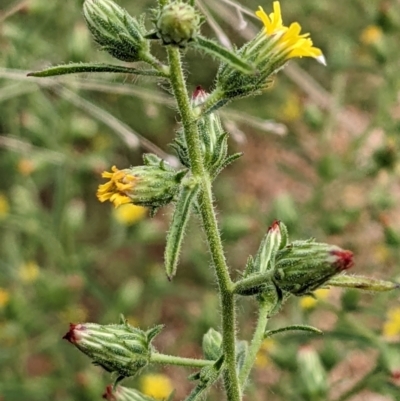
point(28, 272)
point(4, 297)
point(309, 302)
point(288, 41)
point(130, 214)
point(262, 359)
point(74, 313)
point(4, 206)
point(371, 34)
point(115, 189)
point(156, 385)
point(391, 327)
point(291, 110)
point(25, 167)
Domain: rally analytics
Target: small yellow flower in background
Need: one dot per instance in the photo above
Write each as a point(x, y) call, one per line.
point(25, 167)
point(101, 142)
point(288, 41)
point(391, 327)
point(74, 313)
point(29, 272)
point(4, 206)
point(129, 214)
point(132, 320)
point(262, 359)
point(114, 190)
point(4, 297)
point(291, 110)
point(158, 386)
point(381, 253)
point(371, 34)
point(309, 302)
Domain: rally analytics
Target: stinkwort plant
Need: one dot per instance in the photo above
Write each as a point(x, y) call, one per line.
point(281, 268)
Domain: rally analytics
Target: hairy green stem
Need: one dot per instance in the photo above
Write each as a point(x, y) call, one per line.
point(176, 360)
point(256, 342)
point(157, 64)
point(209, 222)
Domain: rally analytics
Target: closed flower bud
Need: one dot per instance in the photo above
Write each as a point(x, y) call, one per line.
point(150, 185)
point(303, 266)
point(124, 394)
point(115, 30)
point(312, 374)
point(118, 348)
point(212, 135)
point(177, 24)
point(265, 258)
point(212, 342)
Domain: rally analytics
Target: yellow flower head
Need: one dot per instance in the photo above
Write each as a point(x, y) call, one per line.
point(288, 40)
point(309, 302)
point(130, 214)
point(4, 206)
point(371, 34)
point(29, 272)
point(158, 386)
point(25, 167)
point(116, 189)
point(4, 297)
point(262, 359)
point(391, 327)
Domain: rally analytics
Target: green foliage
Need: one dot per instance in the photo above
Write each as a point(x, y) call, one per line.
point(66, 258)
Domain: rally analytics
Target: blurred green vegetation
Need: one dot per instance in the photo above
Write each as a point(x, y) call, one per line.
point(334, 175)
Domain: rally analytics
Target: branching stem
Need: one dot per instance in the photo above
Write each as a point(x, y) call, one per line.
point(256, 342)
point(178, 361)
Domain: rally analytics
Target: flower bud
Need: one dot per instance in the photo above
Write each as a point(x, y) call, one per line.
point(303, 266)
point(312, 374)
point(212, 342)
point(152, 186)
point(265, 258)
point(212, 135)
point(118, 348)
point(177, 24)
point(115, 30)
point(124, 394)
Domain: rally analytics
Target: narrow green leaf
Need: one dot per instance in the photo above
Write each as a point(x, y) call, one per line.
point(300, 327)
point(76, 68)
point(153, 332)
point(229, 160)
point(177, 230)
point(224, 54)
point(362, 283)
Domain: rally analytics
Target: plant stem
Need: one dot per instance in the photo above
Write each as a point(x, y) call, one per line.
point(256, 342)
point(209, 221)
point(176, 360)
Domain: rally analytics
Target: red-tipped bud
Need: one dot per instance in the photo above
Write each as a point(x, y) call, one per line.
point(303, 266)
point(74, 334)
point(342, 259)
point(108, 394)
point(118, 348)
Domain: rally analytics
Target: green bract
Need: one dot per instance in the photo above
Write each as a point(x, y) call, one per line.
point(115, 30)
